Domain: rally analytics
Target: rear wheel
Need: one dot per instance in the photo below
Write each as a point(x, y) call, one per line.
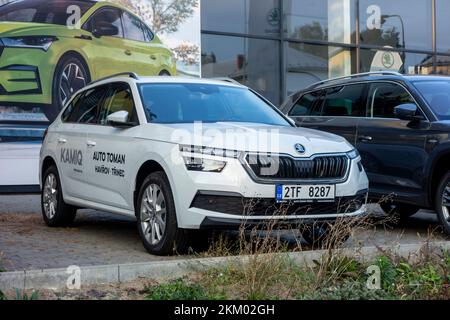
point(401, 211)
point(443, 203)
point(71, 74)
point(156, 215)
point(55, 211)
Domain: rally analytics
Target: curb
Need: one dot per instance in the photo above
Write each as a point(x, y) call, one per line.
point(56, 279)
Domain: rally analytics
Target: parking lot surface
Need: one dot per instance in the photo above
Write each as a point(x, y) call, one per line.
point(100, 238)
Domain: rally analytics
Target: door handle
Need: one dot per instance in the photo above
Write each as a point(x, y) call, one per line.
point(365, 138)
point(91, 143)
point(62, 140)
point(153, 57)
point(128, 52)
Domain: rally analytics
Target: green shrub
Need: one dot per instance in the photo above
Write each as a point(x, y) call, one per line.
point(2, 295)
point(176, 290)
point(22, 295)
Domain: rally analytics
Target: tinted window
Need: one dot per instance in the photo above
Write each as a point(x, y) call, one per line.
point(133, 27)
point(70, 108)
point(119, 98)
point(52, 12)
point(305, 104)
point(437, 94)
point(344, 101)
point(384, 97)
point(86, 108)
point(106, 17)
point(188, 103)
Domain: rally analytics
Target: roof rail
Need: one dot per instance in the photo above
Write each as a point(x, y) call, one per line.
point(129, 74)
point(357, 75)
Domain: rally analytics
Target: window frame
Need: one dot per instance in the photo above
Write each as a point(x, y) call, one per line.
point(419, 108)
point(141, 23)
point(110, 87)
point(87, 23)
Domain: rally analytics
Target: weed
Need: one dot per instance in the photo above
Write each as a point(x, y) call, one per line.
point(22, 295)
point(176, 290)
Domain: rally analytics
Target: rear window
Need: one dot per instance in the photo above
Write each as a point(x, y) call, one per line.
point(38, 11)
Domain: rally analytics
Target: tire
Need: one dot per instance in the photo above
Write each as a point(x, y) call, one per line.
point(400, 210)
point(442, 203)
point(55, 211)
point(156, 217)
point(164, 73)
point(78, 76)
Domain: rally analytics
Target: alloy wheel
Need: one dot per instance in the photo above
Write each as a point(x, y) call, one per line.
point(446, 203)
point(50, 196)
point(153, 214)
point(72, 79)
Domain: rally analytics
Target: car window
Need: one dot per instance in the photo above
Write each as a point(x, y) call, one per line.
point(344, 101)
point(437, 94)
point(188, 103)
point(304, 105)
point(119, 98)
point(384, 97)
point(70, 108)
point(148, 34)
point(133, 27)
point(49, 11)
point(106, 17)
point(86, 108)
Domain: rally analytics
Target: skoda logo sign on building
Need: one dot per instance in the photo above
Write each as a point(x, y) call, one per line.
point(300, 148)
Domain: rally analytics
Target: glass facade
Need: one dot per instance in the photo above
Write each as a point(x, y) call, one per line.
point(278, 47)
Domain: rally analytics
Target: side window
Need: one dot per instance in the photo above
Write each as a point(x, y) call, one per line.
point(344, 101)
point(70, 108)
point(305, 104)
point(148, 33)
point(133, 27)
point(86, 108)
point(119, 98)
point(384, 97)
point(106, 17)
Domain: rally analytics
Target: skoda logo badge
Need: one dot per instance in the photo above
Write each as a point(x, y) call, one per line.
point(300, 148)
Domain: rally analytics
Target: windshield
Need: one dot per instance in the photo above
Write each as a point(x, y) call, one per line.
point(437, 94)
point(51, 12)
point(188, 103)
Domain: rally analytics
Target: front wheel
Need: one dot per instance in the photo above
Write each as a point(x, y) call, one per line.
point(443, 203)
point(156, 217)
point(55, 211)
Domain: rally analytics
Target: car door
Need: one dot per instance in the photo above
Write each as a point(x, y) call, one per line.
point(392, 150)
point(109, 54)
point(110, 152)
point(72, 138)
point(335, 110)
point(138, 41)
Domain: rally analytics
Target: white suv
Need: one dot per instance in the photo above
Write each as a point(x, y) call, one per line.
point(183, 154)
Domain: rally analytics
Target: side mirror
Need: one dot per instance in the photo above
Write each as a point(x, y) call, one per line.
point(119, 119)
point(105, 29)
point(407, 111)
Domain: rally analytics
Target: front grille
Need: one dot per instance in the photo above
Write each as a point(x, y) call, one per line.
point(284, 167)
point(235, 205)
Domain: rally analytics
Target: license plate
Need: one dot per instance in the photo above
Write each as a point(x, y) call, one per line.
point(305, 193)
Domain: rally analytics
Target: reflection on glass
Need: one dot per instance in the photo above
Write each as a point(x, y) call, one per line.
point(252, 62)
point(327, 20)
point(398, 24)
point(442, 26)
point(403, 62)
point(307, 64)
point(260, 17)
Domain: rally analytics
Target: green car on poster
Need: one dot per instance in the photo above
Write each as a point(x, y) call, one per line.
point(45, 57)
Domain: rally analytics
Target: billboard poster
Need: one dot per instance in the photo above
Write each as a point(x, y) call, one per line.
point(49, 49)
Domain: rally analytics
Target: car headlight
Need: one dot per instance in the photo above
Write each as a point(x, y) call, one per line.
point(31, 42)
point(205, 165)
point(353, 154)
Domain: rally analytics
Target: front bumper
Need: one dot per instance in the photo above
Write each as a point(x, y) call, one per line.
point(26, 76)
point(233, 188)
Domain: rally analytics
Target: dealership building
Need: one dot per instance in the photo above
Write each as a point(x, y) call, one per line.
point(280, 46)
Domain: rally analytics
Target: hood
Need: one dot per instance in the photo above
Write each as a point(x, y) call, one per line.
point(249, 137)
point(17, 29)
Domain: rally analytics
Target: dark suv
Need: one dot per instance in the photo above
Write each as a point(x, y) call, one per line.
point(401, 127)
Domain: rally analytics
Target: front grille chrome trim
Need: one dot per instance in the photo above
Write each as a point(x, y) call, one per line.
point(321, 167)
